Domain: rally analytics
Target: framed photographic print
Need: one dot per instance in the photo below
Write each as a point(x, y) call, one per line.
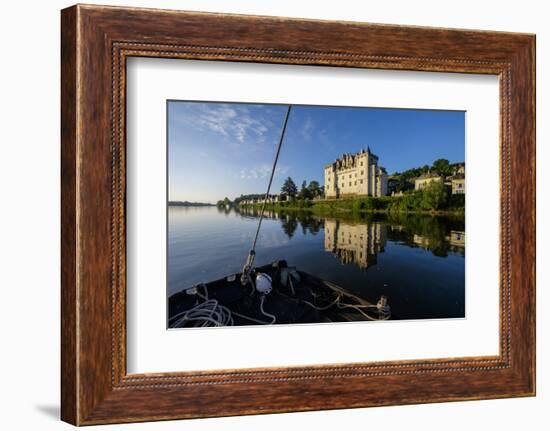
point(280, 207)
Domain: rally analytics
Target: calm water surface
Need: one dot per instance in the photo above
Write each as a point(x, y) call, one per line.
point(416, 261)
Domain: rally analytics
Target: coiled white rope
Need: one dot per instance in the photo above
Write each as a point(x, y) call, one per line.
point(207, 313)
point(211, 313)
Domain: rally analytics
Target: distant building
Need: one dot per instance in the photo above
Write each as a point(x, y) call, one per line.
point(271, 199)
point(458, 184)
point(460, 168)
point(355, 175)
point(425, 179)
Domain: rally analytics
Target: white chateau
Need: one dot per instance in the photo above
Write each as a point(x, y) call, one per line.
point(355, 175)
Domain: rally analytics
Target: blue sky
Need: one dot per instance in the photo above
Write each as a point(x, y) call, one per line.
point(227, 149)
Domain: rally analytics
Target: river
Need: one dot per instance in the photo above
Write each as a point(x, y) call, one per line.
point(417, 261)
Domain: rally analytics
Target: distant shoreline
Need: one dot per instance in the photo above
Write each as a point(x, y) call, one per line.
point(344, 211)
point(357, 205)
point(188, 204)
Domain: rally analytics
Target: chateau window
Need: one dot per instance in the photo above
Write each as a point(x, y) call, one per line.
point(361, 172)
point(350, 184)
point(355, 182)
point(361, 181)
point(361, 165)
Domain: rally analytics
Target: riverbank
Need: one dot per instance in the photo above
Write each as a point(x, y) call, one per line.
point(407, 204)
point(189, 204)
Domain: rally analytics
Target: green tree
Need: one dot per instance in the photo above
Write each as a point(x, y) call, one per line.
point(224, 203)
point(314, 189)
point(442, 167)
point(434, 196)
point(289, 188)
point(304, 191)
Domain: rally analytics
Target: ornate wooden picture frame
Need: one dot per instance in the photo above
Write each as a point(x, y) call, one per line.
point(96, 41)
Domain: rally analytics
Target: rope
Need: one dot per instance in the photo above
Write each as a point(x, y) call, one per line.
point(250, 259)
point(265, 313)
point(382, 307)
point(207, 313)
point(358, 309)
point(211, 313)
point(261, 322)
point(291, 284)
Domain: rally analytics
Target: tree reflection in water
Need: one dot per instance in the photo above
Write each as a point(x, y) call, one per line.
point(359, 237)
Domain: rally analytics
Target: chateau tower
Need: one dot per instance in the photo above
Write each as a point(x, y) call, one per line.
point(355, 175)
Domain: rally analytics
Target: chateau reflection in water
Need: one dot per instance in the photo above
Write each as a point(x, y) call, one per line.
point(358, 240)
point(355, 243)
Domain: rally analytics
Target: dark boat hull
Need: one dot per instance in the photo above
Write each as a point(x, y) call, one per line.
point(290, 303)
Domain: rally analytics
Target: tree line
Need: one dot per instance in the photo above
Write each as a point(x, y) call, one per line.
point(405, 180)
point(290, 191)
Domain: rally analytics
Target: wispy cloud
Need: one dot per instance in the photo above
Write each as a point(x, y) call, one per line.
point(307, 128)
point(237, 123)
point(262, 171)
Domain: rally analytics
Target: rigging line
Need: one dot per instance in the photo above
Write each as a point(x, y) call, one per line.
point(250, 259)
point(271, 178)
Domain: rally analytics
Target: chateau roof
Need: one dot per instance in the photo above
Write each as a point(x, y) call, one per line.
point(426, 175)
point(352, 156)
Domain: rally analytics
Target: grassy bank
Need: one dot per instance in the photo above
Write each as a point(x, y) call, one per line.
point(412, 203)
